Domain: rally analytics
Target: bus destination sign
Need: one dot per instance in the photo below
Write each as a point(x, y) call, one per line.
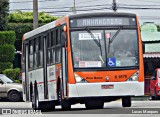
point(102, 21)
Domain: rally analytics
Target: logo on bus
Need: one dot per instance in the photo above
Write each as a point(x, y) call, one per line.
point(111, 62)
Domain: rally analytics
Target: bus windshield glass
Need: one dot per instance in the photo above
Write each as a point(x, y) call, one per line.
point(120, 52)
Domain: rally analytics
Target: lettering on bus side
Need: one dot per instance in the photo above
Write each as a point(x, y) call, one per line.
point(120, 76)
point(98, 77)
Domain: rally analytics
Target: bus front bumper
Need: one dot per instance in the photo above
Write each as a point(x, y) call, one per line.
point(132, 88)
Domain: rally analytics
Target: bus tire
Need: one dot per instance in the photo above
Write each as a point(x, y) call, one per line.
point(31, 92)
point(126, 101)
point(35, 102)
point(94, 104)
point(65, 104)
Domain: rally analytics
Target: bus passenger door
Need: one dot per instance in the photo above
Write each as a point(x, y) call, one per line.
point(64, 62)
point(26, 85)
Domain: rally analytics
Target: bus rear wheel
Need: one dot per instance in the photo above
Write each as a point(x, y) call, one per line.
point(126, 101)
point(94, 104)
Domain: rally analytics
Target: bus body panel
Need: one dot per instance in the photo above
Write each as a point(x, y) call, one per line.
point(52, 82)
point(106, 89)
point(106, 76)
point(37, 76)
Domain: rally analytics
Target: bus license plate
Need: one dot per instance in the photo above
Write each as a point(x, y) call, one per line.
point(107, 86)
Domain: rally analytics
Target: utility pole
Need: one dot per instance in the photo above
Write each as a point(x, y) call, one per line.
point(74, 7)
point(35, 14)
point(114, 6)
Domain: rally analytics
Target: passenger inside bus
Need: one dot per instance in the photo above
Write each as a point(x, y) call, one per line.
point(123, 52)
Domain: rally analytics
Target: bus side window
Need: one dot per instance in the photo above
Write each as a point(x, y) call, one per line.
point(48, 48)
point(58, 46)
point(40, 51)
point(53, 44)
point(31, 50)
point(36, 53)
point(58, 55)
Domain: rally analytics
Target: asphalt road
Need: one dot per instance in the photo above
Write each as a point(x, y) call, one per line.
point(114, 108)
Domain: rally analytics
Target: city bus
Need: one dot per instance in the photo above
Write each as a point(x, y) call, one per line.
point(88, 58)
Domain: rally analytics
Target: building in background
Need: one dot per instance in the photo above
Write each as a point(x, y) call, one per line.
point(151, 40)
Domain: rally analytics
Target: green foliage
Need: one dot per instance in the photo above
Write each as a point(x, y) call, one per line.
point(4, 9)
point(7, 53)
point(22, 22)
point(5, 65)
point(27, 17)
point(20, 28)
point(7, 37)
point(12, 73)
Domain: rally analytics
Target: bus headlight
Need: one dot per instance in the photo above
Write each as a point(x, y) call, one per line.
point(79, 79)
point(134, 77)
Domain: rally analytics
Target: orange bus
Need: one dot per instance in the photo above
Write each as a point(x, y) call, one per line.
point(85, 58)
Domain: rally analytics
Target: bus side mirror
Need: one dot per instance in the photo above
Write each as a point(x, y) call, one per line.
point(143, 46)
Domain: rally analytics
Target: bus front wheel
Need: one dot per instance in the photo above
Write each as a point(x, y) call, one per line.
point(126, 101)
point(65, 104)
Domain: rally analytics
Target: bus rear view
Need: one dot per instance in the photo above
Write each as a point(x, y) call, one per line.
point(107, 59)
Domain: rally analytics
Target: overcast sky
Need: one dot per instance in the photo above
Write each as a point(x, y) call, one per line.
point(64, 7)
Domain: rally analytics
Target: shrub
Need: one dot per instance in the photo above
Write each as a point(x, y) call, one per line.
point(7, 37)
point(5, 65)
point(12, 73)
point(7, 53)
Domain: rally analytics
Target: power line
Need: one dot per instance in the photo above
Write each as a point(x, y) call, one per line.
point(138, 5)
point(148, 1)
point(141, 8)
point(79, 10)
point(32, 1)
point(43, 8)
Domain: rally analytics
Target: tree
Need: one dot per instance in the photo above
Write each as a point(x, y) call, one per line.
point(4, 9)
point(7, 49)
point(22, 22)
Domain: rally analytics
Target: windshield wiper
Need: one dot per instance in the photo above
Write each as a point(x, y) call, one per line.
point(94, 38)
point(96, 41)
point(115, 35)
point(112, 39)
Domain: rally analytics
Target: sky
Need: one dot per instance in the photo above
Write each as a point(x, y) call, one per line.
point(147, 10)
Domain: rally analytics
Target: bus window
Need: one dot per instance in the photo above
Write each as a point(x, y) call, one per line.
point(41, 52)
point(48, 48)
point(31, 50)
point(58, 55)
point(53, 56)
point(53, 38)
point(36, 53)
point(57, 36)
point(86, 53)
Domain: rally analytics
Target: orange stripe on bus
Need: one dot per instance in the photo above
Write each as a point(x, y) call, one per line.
point(141, 63)
point(71, 79)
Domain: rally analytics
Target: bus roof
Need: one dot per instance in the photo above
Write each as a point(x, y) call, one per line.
point(41, 29)
point(117, 14)
point(53, 24)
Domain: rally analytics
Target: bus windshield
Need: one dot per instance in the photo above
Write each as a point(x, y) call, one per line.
point(121, 52)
